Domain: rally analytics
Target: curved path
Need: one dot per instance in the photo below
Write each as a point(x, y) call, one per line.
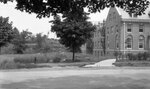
point(104, 63)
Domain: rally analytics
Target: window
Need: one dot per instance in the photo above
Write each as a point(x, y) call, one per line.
point(141, 28)
point(101, 53)
point(112, 29)
point(141, 42)
point(129, 28)
point(117, 30)
point(98, 43)
point(108, 45)
point(129, 42)
point(117, 41)
point(107, 38)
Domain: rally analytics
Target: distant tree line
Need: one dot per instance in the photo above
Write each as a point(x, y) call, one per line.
point(14, 41)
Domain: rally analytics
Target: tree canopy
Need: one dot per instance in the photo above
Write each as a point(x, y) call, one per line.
point(6, 31)
point(45, 8)
point(20, 40)
point(74, 30)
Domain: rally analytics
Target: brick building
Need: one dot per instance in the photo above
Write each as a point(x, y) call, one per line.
point(97, 49)
point(124, 33)
point(127, 33)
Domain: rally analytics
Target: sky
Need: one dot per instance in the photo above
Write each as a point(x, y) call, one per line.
point(23, 20)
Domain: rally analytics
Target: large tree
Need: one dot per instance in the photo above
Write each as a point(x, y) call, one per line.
point(74, 30)
point(6, 31)
point(45, 8)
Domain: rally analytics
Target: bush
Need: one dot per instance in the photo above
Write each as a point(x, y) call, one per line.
point(56, 59)
point(139, 57)
point(146, 56)
point(133, 63)
point(59, 57)
point(131, 57)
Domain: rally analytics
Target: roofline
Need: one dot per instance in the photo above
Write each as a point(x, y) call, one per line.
point(136, 20)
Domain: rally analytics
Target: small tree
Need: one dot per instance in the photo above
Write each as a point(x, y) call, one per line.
point(39, 40)
point(89, 46)
point(73, 31)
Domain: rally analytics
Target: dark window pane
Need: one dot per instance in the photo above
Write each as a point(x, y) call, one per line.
point(129, 30)
point(140, 30)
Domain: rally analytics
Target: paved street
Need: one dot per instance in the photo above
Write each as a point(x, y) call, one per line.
point(101, 75)
point(10, 76)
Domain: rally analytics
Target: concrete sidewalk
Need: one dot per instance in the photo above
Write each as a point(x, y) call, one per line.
point(104, 63)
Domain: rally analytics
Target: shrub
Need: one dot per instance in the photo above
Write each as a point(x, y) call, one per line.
point(131, 56)
point(146, 55)
point(56, 59)
point(138, 57)
point(59, 57)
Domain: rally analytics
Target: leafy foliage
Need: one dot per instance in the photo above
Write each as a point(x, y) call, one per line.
point(20, 40)
point(45, 8)
point(40, 39)
point(139, 56)
point(89, 46)
point(6, 31)
point(43, 43)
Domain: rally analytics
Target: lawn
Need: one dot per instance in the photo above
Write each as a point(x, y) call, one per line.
point(80, 82)
point(17, 61)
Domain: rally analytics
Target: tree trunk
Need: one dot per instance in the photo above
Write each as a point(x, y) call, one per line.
point(73, 54)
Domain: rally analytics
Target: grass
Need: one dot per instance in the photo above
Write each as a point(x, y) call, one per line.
point(17, 61)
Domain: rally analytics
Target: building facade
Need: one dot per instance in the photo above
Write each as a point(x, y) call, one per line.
point(127, 33)
point(97, 48)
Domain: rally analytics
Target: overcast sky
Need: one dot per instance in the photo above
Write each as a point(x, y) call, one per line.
point(24, 21)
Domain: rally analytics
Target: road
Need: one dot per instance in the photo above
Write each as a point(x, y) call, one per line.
point(76, 78)
point(16, 76)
